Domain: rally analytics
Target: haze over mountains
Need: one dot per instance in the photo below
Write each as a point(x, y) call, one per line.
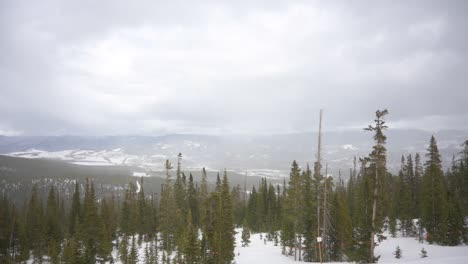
point(259, 155)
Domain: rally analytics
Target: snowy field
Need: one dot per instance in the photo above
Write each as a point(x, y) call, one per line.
point(260, 253)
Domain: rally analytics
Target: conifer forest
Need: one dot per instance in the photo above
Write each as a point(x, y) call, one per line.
point(310, 217)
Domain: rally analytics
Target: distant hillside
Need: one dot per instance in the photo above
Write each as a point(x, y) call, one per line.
point(241, 153)
point(18, 175)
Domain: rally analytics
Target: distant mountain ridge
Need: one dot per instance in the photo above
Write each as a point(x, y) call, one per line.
point(237, 152)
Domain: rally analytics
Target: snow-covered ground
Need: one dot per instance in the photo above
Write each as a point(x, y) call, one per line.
point(411, 250)
point(96, 157)
point(260, 253)
point(119, 157)
point(265, 173)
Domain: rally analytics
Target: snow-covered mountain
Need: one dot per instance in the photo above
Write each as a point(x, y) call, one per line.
point(267, 155)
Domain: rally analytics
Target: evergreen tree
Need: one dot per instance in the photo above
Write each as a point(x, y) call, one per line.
point(413, 189)
point(404, 198)
point(180, 194)
point(133, 256)
point(105, 239)
point(292, 211)
point(193, 202)
point(251, 214)
point(53, 233)
point(245, 234)
point(75, 211)
point(398, 253)
point(342, 225)
point(191, 247)
point(434, 202)
point(167, 212)
point(71, 252)
point(123, 250)
point(226, 227)
point(309, 216)
point(34, 221)
point(53, 251)
point(91, 224)
point(377, 181)
point(148, 254)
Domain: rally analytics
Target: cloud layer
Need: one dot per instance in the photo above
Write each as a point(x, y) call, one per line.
point(107, 67)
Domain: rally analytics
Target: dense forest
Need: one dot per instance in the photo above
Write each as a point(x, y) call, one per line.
point(194, 222)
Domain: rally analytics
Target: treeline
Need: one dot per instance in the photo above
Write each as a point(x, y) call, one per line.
point(190, 223)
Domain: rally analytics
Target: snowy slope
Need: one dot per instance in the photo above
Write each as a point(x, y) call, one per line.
point(96, 157)
point(411, 250)
point(120, 157)
point(260, 253)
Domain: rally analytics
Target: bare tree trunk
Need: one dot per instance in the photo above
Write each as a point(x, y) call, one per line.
point(295, 247)
point(374, 211)
point(320, 251)
point(325, 218)
point(319, 152)
point(300, 248)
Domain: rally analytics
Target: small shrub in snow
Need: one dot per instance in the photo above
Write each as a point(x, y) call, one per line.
point(423, 253)
point(245, 236)
point(398, 252)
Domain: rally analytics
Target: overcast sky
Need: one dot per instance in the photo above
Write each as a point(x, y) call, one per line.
point(150, 68)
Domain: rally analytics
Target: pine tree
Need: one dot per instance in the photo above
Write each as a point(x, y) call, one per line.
point(226, 227)
point(53, 233)
point(23, 251)
point(404, 198)
point(434, 202)
point(191, 246)
point(251, 214)
point(455, 219)
point(342, 225)
point(398, 253)
point(394, 188)
point(418, 174)
point(167, 212)
point(71, 252)
point(105, 245)
point(75, 211)
point(53, 251)
point(123, 250)
point(309, 215)
point(378, 158)
point(34, 221)
point(180, 194)
point(133, 256)
point(292, 211)
point(142, 216)
point(245, 235)
point(192, 198)
point(91, 223)
point(413, 189)
point(148, 249)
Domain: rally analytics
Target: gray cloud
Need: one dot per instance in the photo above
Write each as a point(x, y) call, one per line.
point(108, 67)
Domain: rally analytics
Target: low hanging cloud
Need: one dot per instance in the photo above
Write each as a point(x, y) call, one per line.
point(108, 67)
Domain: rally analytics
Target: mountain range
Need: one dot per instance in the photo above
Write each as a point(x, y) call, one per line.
point(253, 155)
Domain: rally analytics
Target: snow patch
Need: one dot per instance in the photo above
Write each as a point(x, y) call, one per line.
point(349, 147)
point(138, 186)
point(140, 174)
